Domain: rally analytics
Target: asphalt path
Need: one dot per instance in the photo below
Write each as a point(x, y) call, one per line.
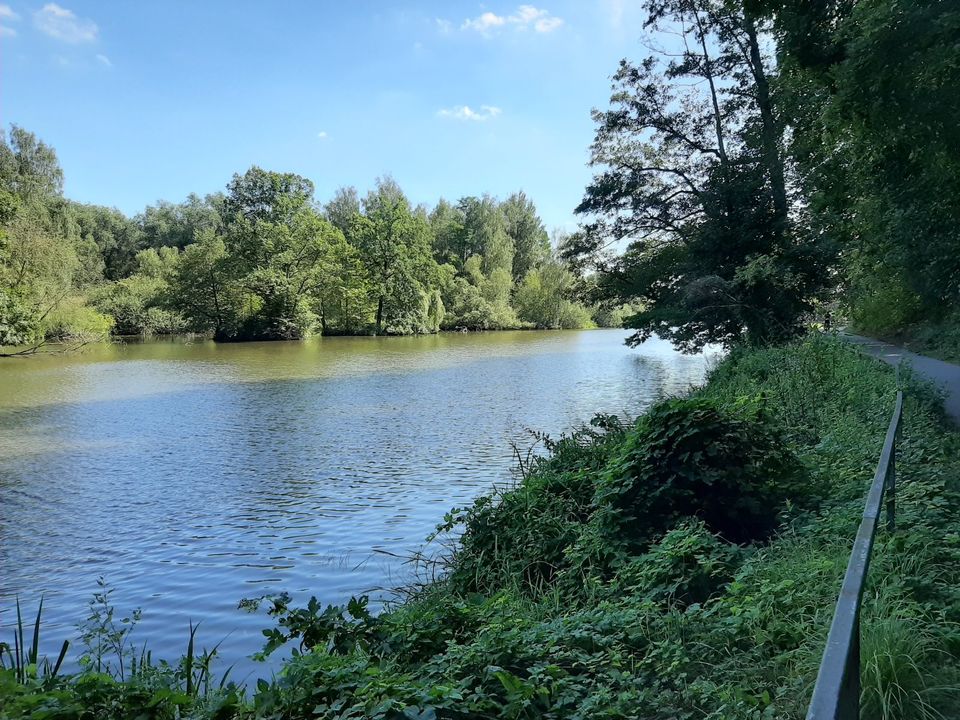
point(945, 375)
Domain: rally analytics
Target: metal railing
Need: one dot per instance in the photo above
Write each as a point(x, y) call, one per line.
point(836, 696)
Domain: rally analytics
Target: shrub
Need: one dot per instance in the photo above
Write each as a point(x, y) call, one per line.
point(729, 466)
point(73, 319)
point(520, 537)
point(687, 565)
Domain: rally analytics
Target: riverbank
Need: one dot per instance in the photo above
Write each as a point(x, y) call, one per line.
point(604, 584)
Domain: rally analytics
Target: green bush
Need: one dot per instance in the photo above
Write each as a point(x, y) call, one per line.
point(137, 305)
point(696, 458)
point(885, 306)
point(73, 319)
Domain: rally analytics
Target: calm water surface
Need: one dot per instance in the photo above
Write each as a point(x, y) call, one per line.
point(192, 475)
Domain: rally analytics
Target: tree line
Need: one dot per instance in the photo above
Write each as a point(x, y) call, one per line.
point(264, 260)
point(773, 162)
point(766, 164)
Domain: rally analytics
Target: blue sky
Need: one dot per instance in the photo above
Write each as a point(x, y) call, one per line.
point(146, 100)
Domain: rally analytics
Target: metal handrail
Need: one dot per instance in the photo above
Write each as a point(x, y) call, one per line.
point(836, 696)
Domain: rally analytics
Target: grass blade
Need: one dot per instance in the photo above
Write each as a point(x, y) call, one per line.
point(60, 657)
point(18, 641)
point(188, 660)
point(35, 645)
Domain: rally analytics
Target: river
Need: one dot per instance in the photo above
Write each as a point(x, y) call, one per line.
point(191, 475)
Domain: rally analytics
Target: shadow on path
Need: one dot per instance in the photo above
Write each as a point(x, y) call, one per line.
point(944, 374)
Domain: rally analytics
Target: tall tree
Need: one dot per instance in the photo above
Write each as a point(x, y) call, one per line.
point(117, 237)
point(692, 183)
point(38, 258)
point(530, 240)
point(177, 225)
point(395, 245)
point(446, 224)
point(342, 208)
point(29, 168)
point(484, 233)
point(874, 137)
point(204, 289)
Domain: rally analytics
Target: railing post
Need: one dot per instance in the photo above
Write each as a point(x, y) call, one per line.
point(892, 489)
point(892, 474)
point(849, 706)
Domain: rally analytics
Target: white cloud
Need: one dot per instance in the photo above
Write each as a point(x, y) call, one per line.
point(104, 60)
point(7, 13)
point(63, 24)
point(484, 23)
point(465, 112)
point(526, 17)
point(547, 24)
point(444, 26)
point(322, 134)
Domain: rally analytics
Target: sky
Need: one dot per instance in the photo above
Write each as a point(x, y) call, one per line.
point(146, 100)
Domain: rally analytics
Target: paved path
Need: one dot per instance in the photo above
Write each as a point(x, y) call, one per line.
point(944, 374)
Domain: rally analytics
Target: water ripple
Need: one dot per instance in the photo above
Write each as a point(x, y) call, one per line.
point(192, 476)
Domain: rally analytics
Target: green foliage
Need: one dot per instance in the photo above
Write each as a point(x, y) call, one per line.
point(606, 315)
point(394, 244)
point(688, 565)
point(261, 262)
point(73, 320)
point(19, 321)
point(117, 680)
point(335, 630)
point(543, 299)
point(725, 464)
point(691, 179)
point(874, 140)
point(23, 662)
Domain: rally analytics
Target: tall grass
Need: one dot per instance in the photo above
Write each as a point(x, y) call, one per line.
point(24, 660)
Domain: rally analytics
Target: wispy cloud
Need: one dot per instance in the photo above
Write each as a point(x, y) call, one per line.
point(444, 26)
point(465, 112)
point(7, 15)
point(322, 135)
point(484, 23)
point(104, 60)
point(526, 17)
point(62, 24)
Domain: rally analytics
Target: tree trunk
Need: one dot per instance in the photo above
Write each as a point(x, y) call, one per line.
point(769, 128)
point(717, 113)
point(379, 314)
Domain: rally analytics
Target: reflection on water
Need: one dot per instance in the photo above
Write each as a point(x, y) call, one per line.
point(191, 475)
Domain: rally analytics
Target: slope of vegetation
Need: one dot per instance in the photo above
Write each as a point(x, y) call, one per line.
point(682, 566)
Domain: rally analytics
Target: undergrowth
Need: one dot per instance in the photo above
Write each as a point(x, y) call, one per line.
point(683, 566)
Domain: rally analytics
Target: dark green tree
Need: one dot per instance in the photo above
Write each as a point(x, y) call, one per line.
point(692, 186)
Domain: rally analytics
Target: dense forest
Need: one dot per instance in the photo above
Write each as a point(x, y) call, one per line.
point(265, 260)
